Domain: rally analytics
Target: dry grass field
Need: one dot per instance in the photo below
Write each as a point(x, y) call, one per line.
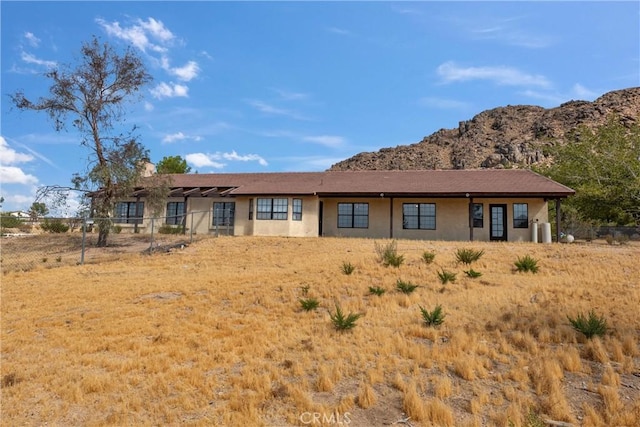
point(215, 334)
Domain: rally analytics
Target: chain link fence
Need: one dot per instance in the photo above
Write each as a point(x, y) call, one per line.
point(54, 242)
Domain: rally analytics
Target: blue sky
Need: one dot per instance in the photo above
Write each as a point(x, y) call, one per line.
point(298, 86)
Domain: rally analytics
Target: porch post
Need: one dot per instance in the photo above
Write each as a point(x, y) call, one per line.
point(184, 216)
point(470, 218)
point(558, 214)
point(135, 222)
point(391, 217)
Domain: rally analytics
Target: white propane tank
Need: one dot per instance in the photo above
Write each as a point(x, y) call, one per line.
point(534, 232)
point(546, 232)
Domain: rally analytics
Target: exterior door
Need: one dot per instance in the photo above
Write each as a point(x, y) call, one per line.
point(498, 222)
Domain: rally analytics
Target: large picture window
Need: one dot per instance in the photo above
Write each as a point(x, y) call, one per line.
point(478, 215)
point(520, 215)
point(272, 209)
point(353, 215)
point(419, 216)
point(296, 213)
point(223, 213)
point(175, 213)
point(129, 213)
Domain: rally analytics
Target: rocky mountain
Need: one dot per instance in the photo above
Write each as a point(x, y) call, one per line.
point(511, 136)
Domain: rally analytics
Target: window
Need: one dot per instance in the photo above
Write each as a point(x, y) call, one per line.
point(420, 216)
point(296, 214)
point(250, 209)
point(223, 213)
point(520, 215)
point(129, 213)
point(353, 215)
point(272, 209)
point(175, 213)
point(478, 215)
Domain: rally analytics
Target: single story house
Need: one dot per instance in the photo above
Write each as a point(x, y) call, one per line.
point(467, 205)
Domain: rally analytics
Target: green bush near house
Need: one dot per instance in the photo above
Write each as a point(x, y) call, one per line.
point(170, 229)
point(54, 226)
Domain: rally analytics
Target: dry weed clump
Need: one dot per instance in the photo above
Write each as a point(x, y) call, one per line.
point(214, 335)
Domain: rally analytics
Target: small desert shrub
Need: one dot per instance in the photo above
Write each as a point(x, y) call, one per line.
point(446, 277)
point(305, 289)
point(405, 287)
point(618, 239)
point(45, 259)
point(9, 380)
point(117, 229)
point(472, 273)
point(527, 264)
point(54, 226)
point(309, 304)
point(169, 229)
point(590, 326)
point(376, 290)
point(428, 257)
point(432, 318)
point(388, 254)
point(343, 322)
point(467, 256)
point(348, 268)
point(9, 221)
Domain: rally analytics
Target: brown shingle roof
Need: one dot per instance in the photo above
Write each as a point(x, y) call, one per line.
point(443, 183)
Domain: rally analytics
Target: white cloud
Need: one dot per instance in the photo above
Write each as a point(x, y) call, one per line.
point(139, 34)
point(327, 140)
point(263, 107)
point(179, 136)
point(172, 90)
point(233, 156)
point(500, 75)
point(200, 160)
point(32, 39)
point(31, 59)
point(215, 159)
point(290, 96)
point(186, 73)
point(583, 93)
point(339, 31)
point(15, 175)
point(148, 106)
point(8, 156)
point(442, 103)
point(157, 30)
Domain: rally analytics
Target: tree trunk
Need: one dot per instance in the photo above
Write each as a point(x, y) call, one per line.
point(103, 233)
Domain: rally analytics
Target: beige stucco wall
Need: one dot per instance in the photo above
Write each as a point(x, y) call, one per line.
point(307, 227)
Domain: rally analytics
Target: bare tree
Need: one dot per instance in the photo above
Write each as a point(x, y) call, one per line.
point(92, 96)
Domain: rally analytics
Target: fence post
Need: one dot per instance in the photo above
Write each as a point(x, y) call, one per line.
point(84, 238)
point(191, 229)
point(151, 243)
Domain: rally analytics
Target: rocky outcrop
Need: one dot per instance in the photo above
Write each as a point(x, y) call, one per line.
point(511, 136)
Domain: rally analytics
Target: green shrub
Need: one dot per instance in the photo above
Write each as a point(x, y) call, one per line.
point(467, 256)
point(342, 322)
point(54, 226)
point(428, 257)
point(388, 254)
point(309, 304)
point(170, 229)
point(590, 325)
point(446, 277)
point(618, 239)
point(347, 268)
point(527, 264)
point(117, 229)
point(377, 290)
point(9, 221)
point(472, 273)
point(405, 287)
point(432, 318)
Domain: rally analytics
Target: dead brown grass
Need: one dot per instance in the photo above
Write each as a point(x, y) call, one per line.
point(213, 335)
